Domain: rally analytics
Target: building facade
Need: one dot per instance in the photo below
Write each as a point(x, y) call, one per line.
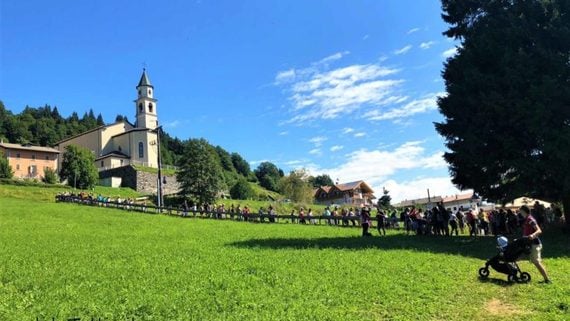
point(122, 143)
point(29, 161)
point(356, 193)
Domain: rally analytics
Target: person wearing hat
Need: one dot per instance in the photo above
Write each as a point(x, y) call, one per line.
point(532, 230)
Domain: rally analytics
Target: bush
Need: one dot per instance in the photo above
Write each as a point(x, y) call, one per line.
point(241, 190)
point(50, 177)
point(5, 168)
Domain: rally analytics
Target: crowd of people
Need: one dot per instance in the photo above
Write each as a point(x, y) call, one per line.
point(435, 221)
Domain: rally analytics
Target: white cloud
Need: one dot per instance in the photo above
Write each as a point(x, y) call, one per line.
point(377, 167)
point(285, 76)
point(365, 37)
point(318, 140)
point(427, 45)
point(317, 94)
point(449, 52)
point(361, 134)
point(417, 106)
point(417, 188)
point(435, 161)
point(285, 133)
point(336, 148)
point(347, 130)
point(316, 151)
point(413, 30)
point(333, 57)
point(403, 50)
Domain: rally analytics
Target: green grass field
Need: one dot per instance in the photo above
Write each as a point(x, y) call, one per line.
point(64, 260)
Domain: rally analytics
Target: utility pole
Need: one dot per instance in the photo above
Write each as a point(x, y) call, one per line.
point(159, 185)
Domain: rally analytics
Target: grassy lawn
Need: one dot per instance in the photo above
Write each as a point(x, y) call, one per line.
point(65, 260)
point(48, 193)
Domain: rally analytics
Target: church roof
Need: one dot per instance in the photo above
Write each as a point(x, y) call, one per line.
point(94, 129)
point(132, 130)
point(144, 80)
point(113, 154)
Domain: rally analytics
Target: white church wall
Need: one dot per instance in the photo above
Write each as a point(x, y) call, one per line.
point(110, 131)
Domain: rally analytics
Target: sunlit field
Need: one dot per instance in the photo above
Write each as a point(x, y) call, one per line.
point(62, 261)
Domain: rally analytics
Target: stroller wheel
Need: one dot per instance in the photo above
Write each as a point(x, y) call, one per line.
point(525, 277)
point(512, 278)
point(484, 272)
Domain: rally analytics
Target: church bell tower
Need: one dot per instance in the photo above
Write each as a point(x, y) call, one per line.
point(146, 104)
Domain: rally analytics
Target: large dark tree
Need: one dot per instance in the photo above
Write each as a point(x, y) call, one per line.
point(507, 108)
point(200, 173)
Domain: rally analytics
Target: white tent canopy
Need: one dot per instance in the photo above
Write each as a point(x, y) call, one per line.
point(518, 202)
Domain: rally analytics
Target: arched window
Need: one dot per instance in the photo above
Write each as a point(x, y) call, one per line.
point(150, 107)
point(149, 92)
point(141, 150)
point(140, 107)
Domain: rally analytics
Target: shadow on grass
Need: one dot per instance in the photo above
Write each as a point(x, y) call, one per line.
point(500, 282)
point(481, 247)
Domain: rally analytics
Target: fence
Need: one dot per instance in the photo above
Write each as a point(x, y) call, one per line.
point(346, 221)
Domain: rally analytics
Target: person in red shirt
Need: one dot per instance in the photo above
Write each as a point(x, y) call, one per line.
point(532, 230)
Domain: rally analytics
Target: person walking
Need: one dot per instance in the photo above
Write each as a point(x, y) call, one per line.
point(381, 221)
point(365, 221)
point(531, 229)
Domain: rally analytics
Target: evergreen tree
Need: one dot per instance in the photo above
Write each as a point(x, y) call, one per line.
point(100, 121)
point(384, 200)
point(199, 174)
point(78, 167)
point(507, 108)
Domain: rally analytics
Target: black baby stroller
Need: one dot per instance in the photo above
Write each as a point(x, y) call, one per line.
point(506, 260)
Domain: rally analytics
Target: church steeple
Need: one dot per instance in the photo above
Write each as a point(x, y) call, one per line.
point(145, 103)
point(144, 80)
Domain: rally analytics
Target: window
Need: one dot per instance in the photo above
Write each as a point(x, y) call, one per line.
point(47, 157)
point(33, 156)
point(141, 150)
point(150, 107)
point(139, 92)
point(17, 167)
point(149, 92)
point(119, 148)
point(32, 170)
point(140, 107)
point(102, 163)
point(17, 155)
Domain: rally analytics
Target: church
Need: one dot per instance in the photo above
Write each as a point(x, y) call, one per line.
point(122, 143)
point(126, 155)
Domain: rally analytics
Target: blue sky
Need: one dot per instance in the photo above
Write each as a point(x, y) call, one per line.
point(346, 88)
